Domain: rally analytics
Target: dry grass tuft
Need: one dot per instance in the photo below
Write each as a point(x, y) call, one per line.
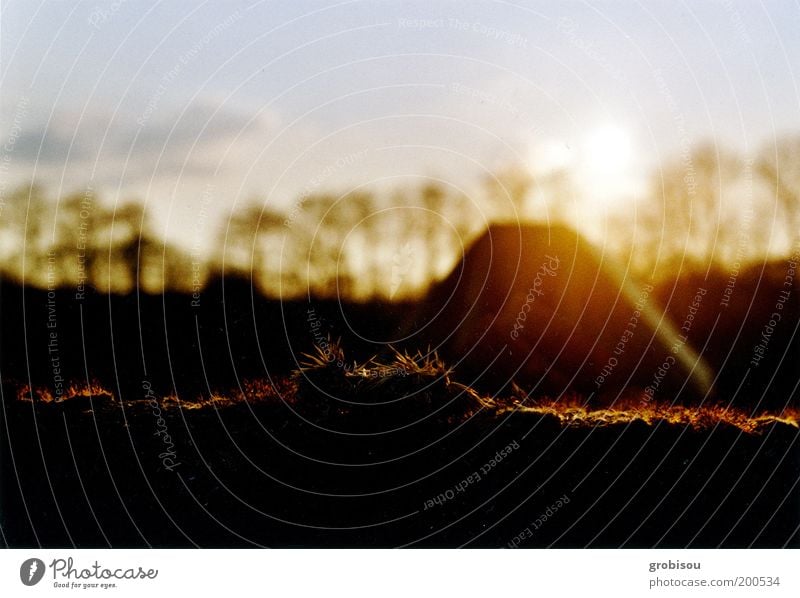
point(73, 390)
point(401, 387)
point(575, 411)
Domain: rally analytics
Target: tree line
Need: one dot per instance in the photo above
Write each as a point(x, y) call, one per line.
point(709, 208)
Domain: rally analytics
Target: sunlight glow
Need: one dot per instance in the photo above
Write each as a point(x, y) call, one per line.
point(608, 151)
point(602, 163)
point(607, 164)
point(599, 170)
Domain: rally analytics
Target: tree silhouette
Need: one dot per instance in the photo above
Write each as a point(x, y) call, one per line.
point(27, 229)
point(249, 246)
point(508, 192)
point(686, 219)
point(779, 167)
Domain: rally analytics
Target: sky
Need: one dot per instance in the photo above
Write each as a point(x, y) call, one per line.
point(197, 108)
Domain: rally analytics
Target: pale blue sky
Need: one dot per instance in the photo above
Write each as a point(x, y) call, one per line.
point(158, 100)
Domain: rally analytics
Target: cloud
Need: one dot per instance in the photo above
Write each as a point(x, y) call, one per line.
point(205, 137)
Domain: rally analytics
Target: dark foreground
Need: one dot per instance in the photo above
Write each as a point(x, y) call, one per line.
point(91, 472)
point(374, 467)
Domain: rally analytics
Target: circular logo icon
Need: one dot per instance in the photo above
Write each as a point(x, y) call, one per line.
point(31, 572)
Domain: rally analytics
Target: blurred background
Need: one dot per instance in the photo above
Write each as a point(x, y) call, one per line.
point(355, 149)
point(237, 212)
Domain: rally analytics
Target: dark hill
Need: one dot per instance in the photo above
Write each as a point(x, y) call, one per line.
point(542, 306)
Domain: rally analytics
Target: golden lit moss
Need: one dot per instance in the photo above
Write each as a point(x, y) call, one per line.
point(572, 411)
point(73, 390)
point(426, 379)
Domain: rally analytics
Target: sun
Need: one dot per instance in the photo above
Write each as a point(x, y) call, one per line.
point(607, 152)
point(596, 170)
point(608, 170)
point(602, 160)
